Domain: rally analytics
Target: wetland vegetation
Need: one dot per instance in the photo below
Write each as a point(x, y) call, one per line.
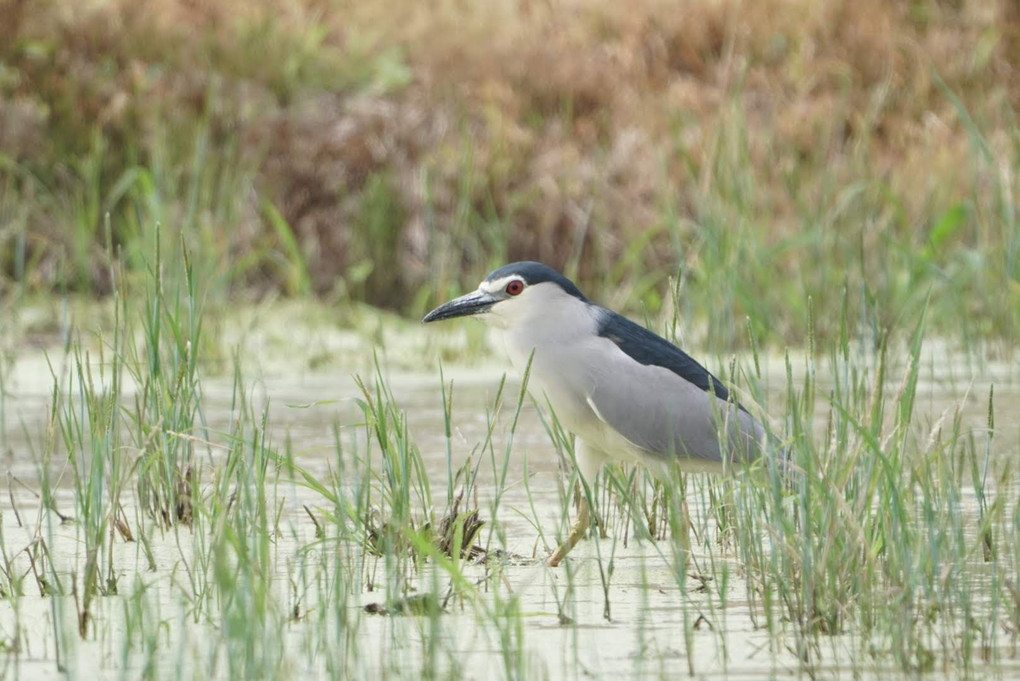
point(232, 452)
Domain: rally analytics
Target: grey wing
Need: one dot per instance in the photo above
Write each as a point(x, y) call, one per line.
point(666, 415)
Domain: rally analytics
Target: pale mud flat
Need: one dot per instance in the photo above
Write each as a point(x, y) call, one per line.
point(657, 628)
point(652, 631)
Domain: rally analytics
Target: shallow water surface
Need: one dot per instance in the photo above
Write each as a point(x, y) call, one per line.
point(620, 606)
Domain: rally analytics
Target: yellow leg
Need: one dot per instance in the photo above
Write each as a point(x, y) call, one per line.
point(685, 531)
point(576, 532)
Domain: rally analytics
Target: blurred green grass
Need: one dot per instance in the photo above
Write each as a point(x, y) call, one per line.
point(720, 159)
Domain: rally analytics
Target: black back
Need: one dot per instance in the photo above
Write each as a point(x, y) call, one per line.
point(647, 348)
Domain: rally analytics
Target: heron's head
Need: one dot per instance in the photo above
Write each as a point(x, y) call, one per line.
point(513, 292)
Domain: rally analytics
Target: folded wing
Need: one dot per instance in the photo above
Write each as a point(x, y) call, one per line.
point(667, 404)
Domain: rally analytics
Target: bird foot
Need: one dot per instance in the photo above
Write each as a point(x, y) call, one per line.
point(576, 532)
point(563, 549)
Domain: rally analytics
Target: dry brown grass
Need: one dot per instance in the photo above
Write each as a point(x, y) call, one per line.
point(561, 127)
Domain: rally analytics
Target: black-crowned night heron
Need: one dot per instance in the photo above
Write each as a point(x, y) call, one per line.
point(625, 393)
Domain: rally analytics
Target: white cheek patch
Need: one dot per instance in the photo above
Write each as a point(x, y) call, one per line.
point(497, 285)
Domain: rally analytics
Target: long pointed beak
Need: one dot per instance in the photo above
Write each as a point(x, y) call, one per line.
point(476, 302)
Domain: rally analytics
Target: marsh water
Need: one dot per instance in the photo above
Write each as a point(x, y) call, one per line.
point(653, 620)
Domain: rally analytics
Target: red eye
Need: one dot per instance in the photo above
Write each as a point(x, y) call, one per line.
point(515, 287)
